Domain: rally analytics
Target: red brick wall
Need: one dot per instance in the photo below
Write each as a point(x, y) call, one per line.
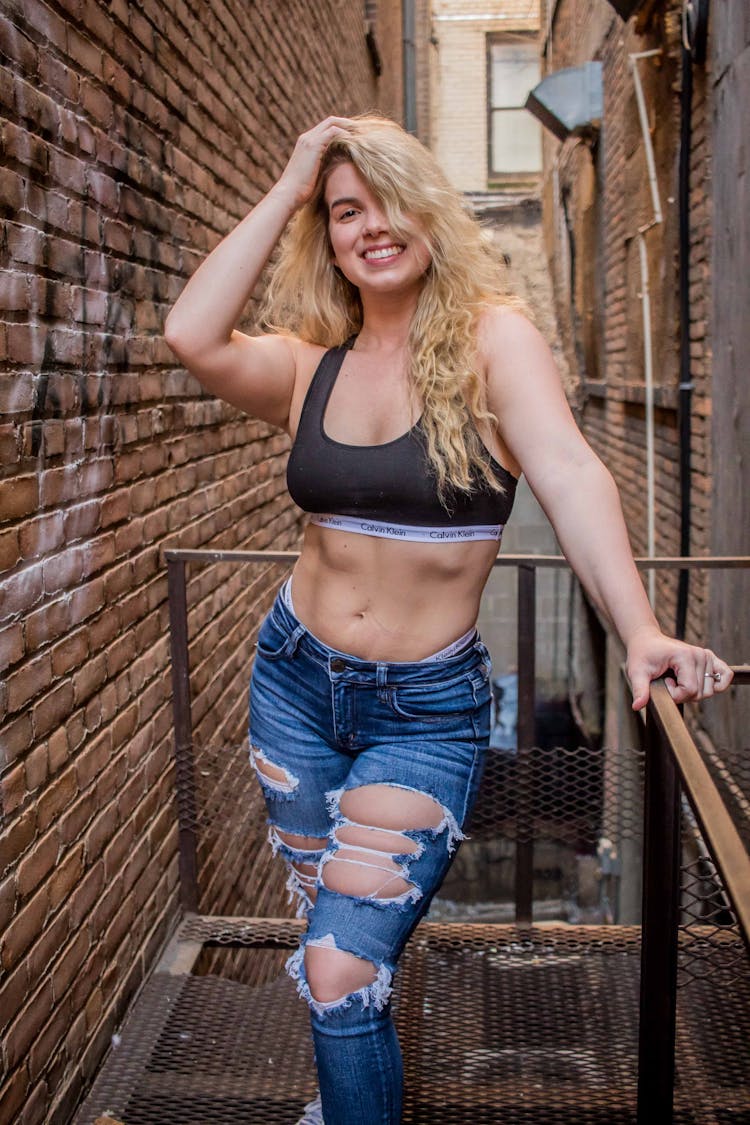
point(134, 136)
point(607, 297)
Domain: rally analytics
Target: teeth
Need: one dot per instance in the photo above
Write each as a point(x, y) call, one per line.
point(386, 252)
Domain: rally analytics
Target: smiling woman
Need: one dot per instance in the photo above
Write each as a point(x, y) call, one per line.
point(415, 391)
point(362, 245)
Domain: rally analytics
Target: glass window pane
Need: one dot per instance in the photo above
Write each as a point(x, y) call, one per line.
point(515, 71)
point(516, 141)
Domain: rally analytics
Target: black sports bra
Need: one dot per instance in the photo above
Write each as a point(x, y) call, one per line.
point(387, 490)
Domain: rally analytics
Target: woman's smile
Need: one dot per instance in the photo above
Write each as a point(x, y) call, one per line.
point(383, 253)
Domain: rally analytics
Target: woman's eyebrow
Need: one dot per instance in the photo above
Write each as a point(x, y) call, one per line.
point(345, 199)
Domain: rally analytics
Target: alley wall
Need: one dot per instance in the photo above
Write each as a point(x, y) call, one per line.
point(134, 137)
point(597, 197)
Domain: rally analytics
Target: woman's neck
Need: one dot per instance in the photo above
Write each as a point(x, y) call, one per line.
point(386, 322)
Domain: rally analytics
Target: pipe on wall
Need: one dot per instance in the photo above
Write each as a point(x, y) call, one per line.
point(694, 42)
point(648, 359)
point(409, 39)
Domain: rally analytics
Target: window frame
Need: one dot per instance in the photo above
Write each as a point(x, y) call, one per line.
point(498, 178)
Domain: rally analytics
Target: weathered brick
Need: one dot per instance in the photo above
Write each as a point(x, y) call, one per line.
point(27, 1025)
point(24, 929)
point(65, 877)
point(70, 963)
point(21, 591)
point(86, 601)
point(36, 766)
point(77, 816)
point(57, 796)
point(37, 1102)
point(47, 623)
point(19, 497)
point(37, 864)
point(7, 903)
point(70, 653)
point(91, 761)
point(29, 682)
point(10, 551)
point(53, 709)
point(14, 991)
point(45, 951)
point(11, 645)
point(43, 534)
point(58, 486)
point(86, 893)
point(13, 1095)
point(16, 838)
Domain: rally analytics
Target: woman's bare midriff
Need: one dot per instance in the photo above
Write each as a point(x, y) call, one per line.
point(381, 599)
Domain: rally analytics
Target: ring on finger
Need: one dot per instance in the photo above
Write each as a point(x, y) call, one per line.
point(715, 676)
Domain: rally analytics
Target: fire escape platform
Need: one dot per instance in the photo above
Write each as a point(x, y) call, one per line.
point(501, 1024)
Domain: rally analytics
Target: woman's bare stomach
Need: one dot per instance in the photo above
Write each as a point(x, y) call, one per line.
point(380, 599)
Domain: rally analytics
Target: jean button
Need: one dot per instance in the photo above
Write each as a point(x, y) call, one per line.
point(338, 665)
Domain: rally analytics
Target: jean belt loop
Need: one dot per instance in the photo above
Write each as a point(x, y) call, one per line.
point(483, 651)
point(293, 640)
point(381, 674)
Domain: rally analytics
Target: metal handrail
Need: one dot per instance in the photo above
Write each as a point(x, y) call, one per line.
point(666, 771)
point(662, 562)
point(717, 827)
point(673, 762)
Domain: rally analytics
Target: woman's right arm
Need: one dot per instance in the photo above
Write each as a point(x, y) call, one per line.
point(255, 373)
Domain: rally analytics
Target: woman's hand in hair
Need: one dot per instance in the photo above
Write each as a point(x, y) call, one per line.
point(300, 176)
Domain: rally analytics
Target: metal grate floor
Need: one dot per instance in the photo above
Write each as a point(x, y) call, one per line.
point(499, 1024)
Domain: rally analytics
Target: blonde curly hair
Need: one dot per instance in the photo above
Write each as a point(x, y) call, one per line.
point(311, 299)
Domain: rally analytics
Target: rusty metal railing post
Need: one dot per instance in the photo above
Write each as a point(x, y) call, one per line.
point(661, 906)
point(183, 733)
point(526, 738)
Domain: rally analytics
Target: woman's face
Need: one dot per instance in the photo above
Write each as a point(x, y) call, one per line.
point(362, 245)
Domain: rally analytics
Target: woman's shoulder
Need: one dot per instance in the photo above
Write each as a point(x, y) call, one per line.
point(307, 357)
point(504, 326)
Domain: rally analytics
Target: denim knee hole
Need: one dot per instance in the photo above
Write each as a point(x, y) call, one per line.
point(376, 993)
point(447, 823)
point(275, 781)
point(300, 882)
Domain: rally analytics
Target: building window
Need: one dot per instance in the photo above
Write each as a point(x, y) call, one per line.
point(514, 136)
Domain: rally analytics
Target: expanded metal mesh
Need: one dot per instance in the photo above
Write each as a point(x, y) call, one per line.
point(498, 1024)
point(714, 976)
point(581, 810)
point(730, 769)
point(581, 807)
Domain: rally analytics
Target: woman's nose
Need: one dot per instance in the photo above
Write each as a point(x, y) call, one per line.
point(375, 222)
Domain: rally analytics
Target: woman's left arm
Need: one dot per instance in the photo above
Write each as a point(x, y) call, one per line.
point(581, 501)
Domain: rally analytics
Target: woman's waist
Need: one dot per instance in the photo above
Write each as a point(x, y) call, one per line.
point(457, 566)
point(384, 617)
point(362, 650)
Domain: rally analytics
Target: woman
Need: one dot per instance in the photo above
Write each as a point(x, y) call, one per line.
point(414, 394)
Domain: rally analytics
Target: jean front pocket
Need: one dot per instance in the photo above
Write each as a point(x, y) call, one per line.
point(275, 642)
point(435, 702)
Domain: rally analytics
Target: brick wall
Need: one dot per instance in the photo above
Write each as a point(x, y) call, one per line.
point(607, 199)
point(458, 97)
point(134, 136)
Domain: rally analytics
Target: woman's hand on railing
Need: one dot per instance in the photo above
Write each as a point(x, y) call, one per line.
point(691, 673)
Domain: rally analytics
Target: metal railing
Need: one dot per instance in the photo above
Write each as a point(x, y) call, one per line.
point(672, 764)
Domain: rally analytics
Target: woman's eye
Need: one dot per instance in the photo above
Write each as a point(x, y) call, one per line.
point(347, 214)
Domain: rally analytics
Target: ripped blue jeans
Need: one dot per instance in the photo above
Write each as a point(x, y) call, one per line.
point(324, 726)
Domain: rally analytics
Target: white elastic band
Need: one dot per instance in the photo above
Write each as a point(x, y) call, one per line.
point(410, 533)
